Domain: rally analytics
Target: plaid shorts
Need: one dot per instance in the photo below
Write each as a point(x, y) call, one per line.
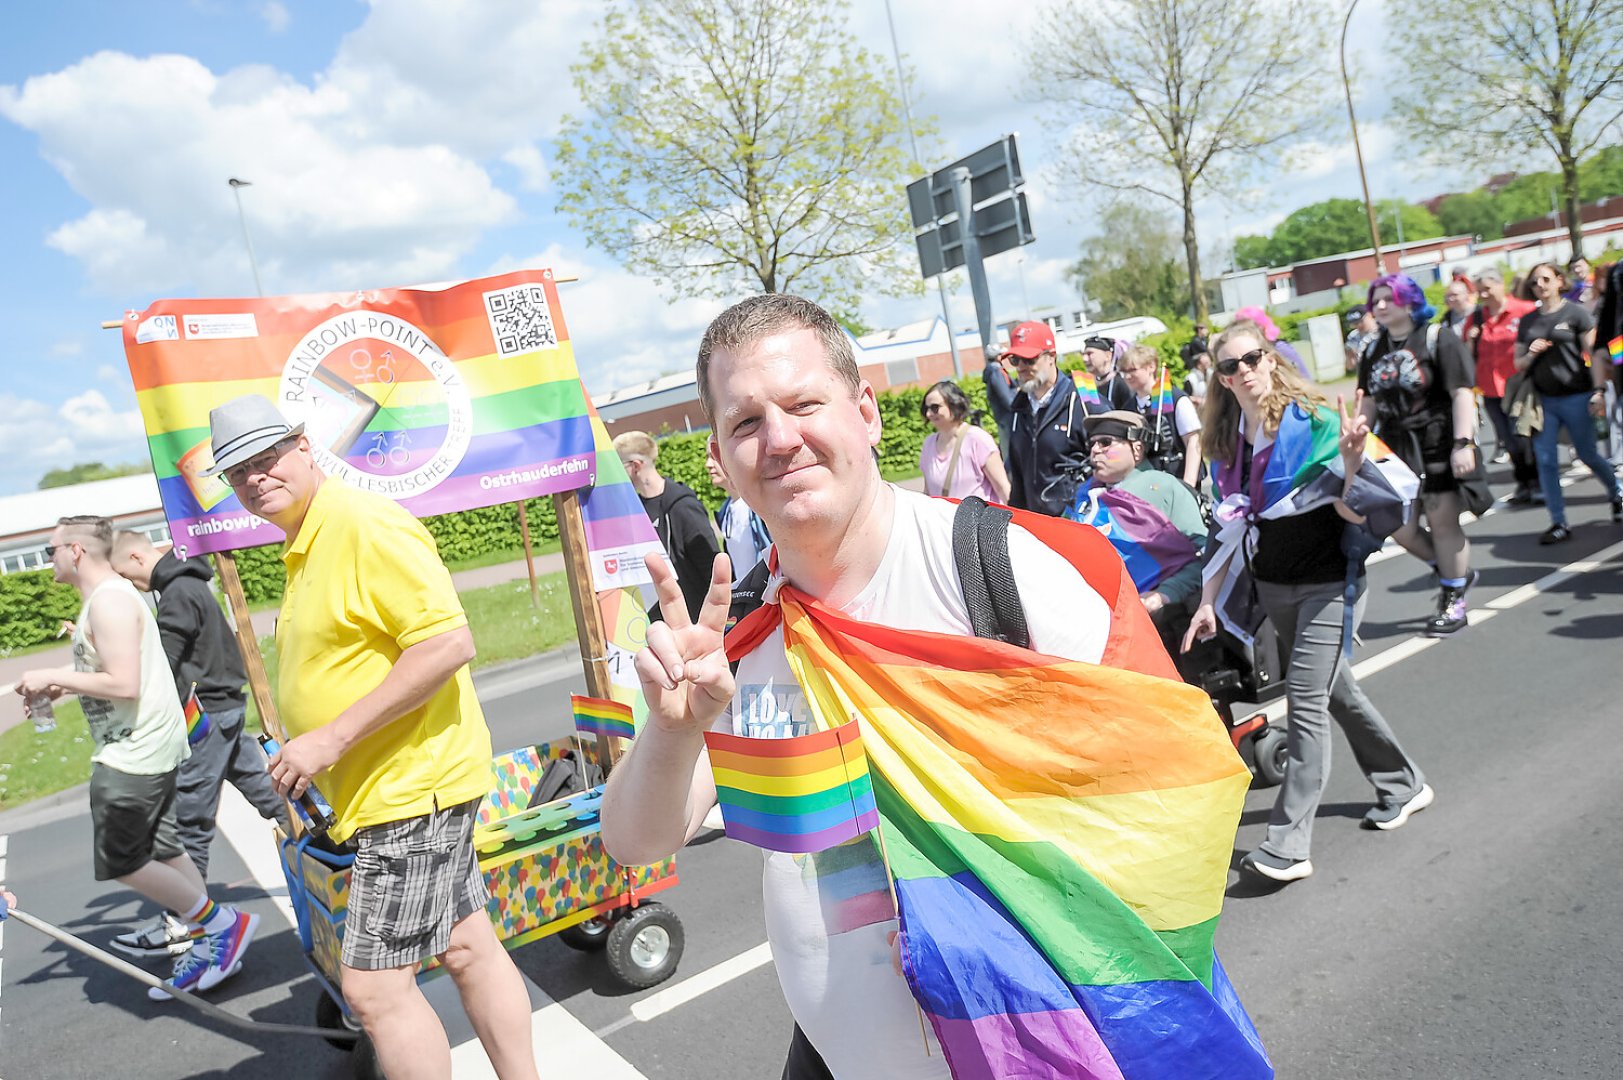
point(412, 881)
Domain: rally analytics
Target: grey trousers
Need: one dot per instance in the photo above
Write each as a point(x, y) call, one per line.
point(227, 752)
point(1308, 619)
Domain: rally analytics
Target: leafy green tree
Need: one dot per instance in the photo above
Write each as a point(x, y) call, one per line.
point(90, 470)
point(1471, 212)
point(1527, 75)
point(1319, 229)
point(1179, 98)
point(1600, 176)
point(1252, 251)
point(1130, 265)
point(1418, 222)
point(728, 143)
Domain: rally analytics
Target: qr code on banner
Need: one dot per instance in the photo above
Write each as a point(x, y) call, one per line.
point(520, 319)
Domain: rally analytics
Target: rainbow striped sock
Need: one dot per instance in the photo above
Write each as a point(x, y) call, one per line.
point(201, 915)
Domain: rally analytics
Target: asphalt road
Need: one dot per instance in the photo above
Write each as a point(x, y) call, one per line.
point(1478, 942)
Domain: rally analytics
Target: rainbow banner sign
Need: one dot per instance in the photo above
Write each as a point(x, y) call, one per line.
point(598, 716)
point(443, 399)
point(799, 795)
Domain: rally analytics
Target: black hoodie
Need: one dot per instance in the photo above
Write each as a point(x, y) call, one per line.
point(683, 525)
point(196, 636)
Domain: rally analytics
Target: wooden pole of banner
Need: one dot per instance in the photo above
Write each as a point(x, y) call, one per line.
point(594, 647)
point(529, 555)
point(248, 643)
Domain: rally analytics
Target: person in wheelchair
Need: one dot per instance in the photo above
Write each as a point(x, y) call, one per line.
point(1153, 519)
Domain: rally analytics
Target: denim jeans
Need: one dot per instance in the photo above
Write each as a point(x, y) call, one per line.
point(1570, 411)
point(1520, 449)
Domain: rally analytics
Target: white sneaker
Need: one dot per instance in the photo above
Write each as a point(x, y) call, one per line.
point(163, 936)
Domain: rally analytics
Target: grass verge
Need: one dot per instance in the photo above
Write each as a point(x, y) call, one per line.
point(506, 626)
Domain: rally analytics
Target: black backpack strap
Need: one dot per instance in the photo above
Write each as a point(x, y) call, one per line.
point(980, 548)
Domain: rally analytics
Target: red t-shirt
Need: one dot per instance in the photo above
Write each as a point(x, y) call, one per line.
point(1496, 344)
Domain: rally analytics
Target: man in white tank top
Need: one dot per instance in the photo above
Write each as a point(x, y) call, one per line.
point(122, 678)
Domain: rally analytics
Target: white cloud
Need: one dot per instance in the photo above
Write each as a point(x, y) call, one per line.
point(275, 16)
point(67, 347)
point(532, 167)
point(38, 436)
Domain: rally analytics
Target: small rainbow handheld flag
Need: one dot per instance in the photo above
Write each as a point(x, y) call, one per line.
point(799, 795)
point(1615, 347)
point(1087, 388)
point(197, 721)
point(1162, 393)
point(595, 716)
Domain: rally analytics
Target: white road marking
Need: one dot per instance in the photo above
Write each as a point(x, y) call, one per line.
point(658, 1004)
point(1409, 647)
point(558, 1035)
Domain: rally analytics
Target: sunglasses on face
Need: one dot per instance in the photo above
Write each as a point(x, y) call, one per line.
point(52, 549)
point(932, 409)
point(262, 462)
point(1105, 442)
point(1232, 364)
point(1023, 361)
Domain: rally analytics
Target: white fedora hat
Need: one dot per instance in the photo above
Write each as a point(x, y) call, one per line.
point(244, 426)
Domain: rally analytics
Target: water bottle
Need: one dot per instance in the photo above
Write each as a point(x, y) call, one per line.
point(313, 810)
point(42, 712)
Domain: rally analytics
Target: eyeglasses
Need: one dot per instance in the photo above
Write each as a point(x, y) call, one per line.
point(262, 462)
point(1023, 361)
point(52, 549)
point(931, 410)
point(1250, 360)
point(1106, 442)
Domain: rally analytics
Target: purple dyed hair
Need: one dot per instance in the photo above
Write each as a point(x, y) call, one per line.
point(1406, 291)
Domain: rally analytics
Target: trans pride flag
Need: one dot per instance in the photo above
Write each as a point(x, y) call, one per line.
point(1299, 470)
point(1059, 834)
point(443, 399)
point(1144, 537)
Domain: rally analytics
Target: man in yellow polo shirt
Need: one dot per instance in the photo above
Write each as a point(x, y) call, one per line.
point(374, 690)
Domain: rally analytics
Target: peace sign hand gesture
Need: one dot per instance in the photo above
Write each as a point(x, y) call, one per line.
point(1354, 431)
point(685, 677)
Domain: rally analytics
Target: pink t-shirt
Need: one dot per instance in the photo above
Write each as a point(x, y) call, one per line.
point(970, 476)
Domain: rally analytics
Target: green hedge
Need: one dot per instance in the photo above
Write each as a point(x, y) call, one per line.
point(32, 607)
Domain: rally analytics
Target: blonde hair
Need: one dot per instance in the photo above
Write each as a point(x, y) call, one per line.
point(757, 317)
point(636, 444)
point(91, 532)
point(1138, 356)
point(1220, 417)
point(127, 542)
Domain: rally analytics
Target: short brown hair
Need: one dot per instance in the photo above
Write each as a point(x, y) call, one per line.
point(93, 533)
point(748, 321)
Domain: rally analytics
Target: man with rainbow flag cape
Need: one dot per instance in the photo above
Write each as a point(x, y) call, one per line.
point(1152, 519)
point(1054, 822)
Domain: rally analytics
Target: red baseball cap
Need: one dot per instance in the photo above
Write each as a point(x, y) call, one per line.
point(1029, 340)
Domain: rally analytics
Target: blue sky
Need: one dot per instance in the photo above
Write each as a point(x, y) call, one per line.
point(406, 141)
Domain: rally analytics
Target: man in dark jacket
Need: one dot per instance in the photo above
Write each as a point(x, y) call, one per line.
point(202, 651)
point(680, 519)
point(1000, 391)
point(1047, 447)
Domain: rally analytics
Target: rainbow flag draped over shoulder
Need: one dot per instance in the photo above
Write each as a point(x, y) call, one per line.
point(1059, 834)
point(1149, 544)
point(1297, 471)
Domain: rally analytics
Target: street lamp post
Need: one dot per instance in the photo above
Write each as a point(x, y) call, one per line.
point(907, 117)
point(253, 264)
point(1369, 207)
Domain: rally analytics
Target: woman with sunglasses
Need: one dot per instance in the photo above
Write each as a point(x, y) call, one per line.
point(1417, 385)
point(1553, 343)
point(959, 458)
point(1300, 574)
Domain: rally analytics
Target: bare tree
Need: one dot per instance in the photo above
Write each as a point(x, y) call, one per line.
point(1524, 74)
point(741, 139)
point(1176, 98)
